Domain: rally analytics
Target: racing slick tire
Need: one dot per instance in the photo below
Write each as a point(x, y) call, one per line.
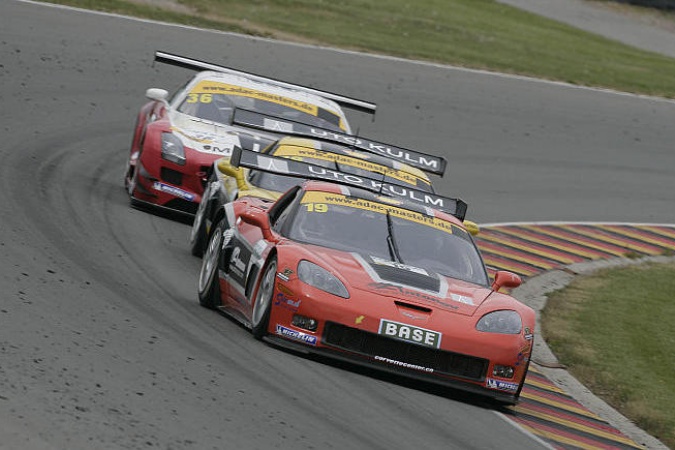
point(198, 232)
point(208, 285)
point(262, 306)
point(522, 383)
point(130, 186)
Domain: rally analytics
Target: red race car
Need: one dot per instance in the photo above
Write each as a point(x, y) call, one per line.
point(355, 274)
point(177, 139)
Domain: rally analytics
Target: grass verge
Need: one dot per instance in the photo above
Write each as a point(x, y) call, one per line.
point(480, 34)
point(614, 330)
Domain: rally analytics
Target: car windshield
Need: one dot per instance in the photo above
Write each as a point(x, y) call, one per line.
point(273, 182)
point(387, 232)
point(220, 108)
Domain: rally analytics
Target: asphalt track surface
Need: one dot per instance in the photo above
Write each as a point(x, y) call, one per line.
point(102, 342)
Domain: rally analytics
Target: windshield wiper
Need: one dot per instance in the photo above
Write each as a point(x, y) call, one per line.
point(391, 242)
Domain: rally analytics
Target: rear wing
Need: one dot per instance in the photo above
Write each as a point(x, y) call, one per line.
point(195, 64)
point(299, 169)
point(422, 161)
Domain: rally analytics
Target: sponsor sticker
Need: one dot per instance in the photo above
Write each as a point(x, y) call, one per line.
point(367, 205)
point(296, 335)
point(210, 87)
point(403, 364)
point(176, 192)
point(427, 162)
point(354, 159)
point(286, 302)
point(283, 288)
point(259, 247)
point(501, 385)
point(238, 265)
point(218, 150)
point(461, 299)
point(409, 333)
point(528, 334)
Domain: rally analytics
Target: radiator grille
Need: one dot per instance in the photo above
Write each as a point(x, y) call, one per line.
point(371, 344)
point(171, 176)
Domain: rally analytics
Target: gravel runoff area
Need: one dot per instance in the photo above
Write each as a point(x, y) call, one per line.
point(534, 293)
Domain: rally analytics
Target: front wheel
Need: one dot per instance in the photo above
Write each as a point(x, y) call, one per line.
point(208, 286)
point(198, 231)
point(260, 317)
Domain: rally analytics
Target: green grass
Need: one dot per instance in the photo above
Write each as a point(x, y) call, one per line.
point(615, 330)
point(479, 34)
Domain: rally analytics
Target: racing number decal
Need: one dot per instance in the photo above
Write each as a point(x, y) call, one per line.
point(239, 262)
point(316, 207)
point(199, 98)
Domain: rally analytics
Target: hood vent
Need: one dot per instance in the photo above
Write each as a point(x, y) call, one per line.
point(413, 307)
point(401, 274)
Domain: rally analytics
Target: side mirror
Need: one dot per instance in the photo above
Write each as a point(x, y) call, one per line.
point(157, 94)
point(259, 219)
point(506, 279)
point(237, 173)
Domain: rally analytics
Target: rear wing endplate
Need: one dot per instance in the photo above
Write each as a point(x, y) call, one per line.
point(300, 169)
point(195, 64)
point(428, 163)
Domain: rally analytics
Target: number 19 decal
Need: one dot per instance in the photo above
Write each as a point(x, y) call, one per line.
point(317, 207)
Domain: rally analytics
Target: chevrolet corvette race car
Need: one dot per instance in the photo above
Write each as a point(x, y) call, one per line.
point(362, 276)
point(226, 183)
point(177, 139)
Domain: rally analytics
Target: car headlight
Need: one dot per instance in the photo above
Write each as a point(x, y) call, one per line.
point(320, 278)
point(503, 322)
point(172, 149)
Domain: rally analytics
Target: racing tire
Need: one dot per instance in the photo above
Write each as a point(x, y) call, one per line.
point(260, 316)
point(198, 232)
point(522, 383)
point(208, 284)
point(130, 187)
